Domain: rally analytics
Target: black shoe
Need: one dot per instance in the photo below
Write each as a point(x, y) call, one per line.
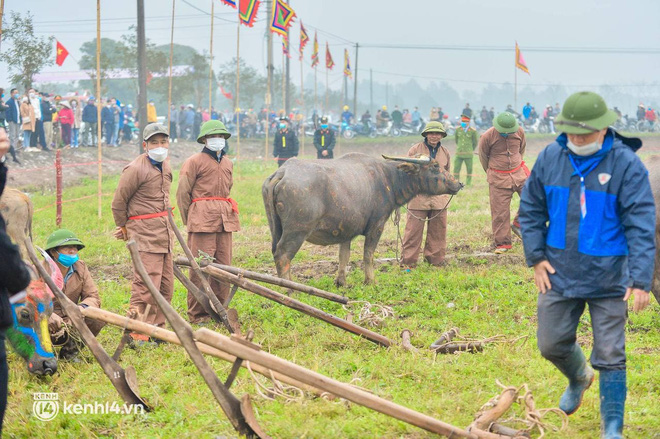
point(515, 228)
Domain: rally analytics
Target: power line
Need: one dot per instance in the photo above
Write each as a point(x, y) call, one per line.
point(621, 50)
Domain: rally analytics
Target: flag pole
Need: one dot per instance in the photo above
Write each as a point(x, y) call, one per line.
point(283, 83)
point(325, 108)
point(302, 98)
point(341, 120)
point(316, 105)
point(238, 87)
point(2, 12)
point(515, 81)
point(98, 106)
point(211, 55)
point(169, 90)
point(269, 36)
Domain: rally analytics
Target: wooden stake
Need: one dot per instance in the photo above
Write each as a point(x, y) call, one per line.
point(323, 382)
point(298, 306)
point(99, 155)
point(169, 89)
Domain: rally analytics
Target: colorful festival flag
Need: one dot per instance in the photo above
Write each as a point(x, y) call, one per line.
point(247, 11)
point(304, 39)
point(226, 94)
point(520, 61)
point(231, 3)
point(329, 63)
point(347, 65)
point(285, 45)
point(315, 52)
point(282, 17)
point(62, 53)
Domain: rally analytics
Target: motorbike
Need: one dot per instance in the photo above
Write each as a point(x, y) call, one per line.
point(409, 129)
point(388, 130)
point(360, 129)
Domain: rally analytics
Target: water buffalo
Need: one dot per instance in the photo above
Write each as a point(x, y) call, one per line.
point(653, 165)
point(330, 202)
point(16, 209)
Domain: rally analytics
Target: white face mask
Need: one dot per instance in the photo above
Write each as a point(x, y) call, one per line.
point(584, 150)
point(215, 143)
point(32, 96)
point(158, 154)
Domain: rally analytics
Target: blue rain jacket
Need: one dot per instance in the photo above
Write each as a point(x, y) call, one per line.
point(604, 245)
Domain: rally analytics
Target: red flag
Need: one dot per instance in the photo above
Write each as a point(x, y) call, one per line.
point(520, 61)
point(226, 94)
point(149, 77)
point(315, 52)
point(62, 53)
point(329, 63)
point(247, 11)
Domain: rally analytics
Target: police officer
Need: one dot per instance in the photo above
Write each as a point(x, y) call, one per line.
point(588, 226)
point(285, 142)
point(324, 140)
point(466, 142)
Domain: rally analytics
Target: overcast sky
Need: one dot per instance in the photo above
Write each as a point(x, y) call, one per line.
point(600, 24)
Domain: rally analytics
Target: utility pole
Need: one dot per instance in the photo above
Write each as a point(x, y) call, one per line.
point(355, 84)
point(142, 72)
point(387, 93)
point(371, 89)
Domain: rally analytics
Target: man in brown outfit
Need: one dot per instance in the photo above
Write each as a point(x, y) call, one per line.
point(139, 207)
point(501, 150)
point(429, 209)
point(63, 246)
point(206, 209)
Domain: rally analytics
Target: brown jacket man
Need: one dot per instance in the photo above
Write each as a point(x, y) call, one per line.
point(501, 150)
point(207, 211)
point(139, 207)
point(429, 209)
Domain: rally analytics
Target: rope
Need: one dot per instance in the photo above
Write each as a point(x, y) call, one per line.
point(368, 316)
point(285, 391)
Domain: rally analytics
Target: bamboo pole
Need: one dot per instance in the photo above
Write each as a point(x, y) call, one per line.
point(283, 83)
point(302, 99)
point(238, 88)
point(2, 13)
point(325, 108)
point(169, 89)
point(323, 382)
point(211, 56)
point(99, 153)
point(270, 279)
point(297, 305)
point(170, 337)
point(316, 104)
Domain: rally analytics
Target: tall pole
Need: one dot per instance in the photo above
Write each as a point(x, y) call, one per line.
point(304, 112)
point(283, 84)
point(99, 152)
point(316, 104)
point(387, 93)
point(515, 87)
point(238, 88)
point(325, 108)
point(2, 13)
point(371, 90)
point(142, 73)
point(169, 89)
point(269, 91)
point(355, 83)
point(287, 101)
point(211, 56)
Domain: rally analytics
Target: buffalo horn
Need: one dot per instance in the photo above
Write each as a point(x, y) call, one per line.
point(418, 161)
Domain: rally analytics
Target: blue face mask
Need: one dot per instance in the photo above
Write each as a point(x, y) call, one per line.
point(15, 95)
point(504, 134)
point(324, 126)
point(67, 260)
point(282, 126)
point(463, 124)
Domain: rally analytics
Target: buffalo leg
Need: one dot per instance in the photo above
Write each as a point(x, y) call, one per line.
point(344, 255)
point(289, 244)
point(370, 242)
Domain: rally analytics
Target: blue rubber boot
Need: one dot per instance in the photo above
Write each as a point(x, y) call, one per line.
point(612, 403)
point(580, 376)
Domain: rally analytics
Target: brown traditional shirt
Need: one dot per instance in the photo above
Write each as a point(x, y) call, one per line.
point(144, 189)
point(502, 158)
point(202, 178)
point(430, 202)
point(79, 286)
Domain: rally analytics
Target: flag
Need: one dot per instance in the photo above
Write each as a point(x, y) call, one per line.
point(304, 39)
point(149, 77)
point(282, 17)
point(231, 3)
point(285, 44)
point(347, 65)
point(329, 63)
point(315, 52)
point(247, 11)
point(520, 61)
point(226, 94)
point(62, 53)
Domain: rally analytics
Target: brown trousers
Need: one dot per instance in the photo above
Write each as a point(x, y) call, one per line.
point(500, 211)
point(159, 268)
point(218, 246)
point(436, 237)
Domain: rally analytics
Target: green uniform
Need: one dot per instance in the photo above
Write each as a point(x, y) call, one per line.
point(466, 143)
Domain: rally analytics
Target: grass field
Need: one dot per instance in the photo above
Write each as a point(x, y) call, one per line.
point(481, 296)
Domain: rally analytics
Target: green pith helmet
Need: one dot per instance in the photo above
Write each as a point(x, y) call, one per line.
point(505, 123)
point(584, 112)
point(434, 127)
point(63, 237)
point(212, 127)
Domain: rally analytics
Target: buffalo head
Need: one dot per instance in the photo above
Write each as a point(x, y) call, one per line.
point(432, 179)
